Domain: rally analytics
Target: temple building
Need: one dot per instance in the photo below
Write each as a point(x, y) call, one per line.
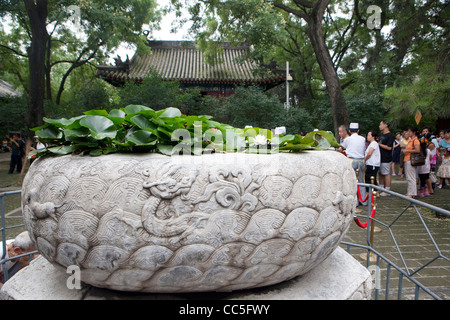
point(7, 90)
point(181, 61)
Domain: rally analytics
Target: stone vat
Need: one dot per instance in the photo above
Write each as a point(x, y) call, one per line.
point(220, 222)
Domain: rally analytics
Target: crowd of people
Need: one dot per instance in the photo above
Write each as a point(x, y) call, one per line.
point(16, 146)
point(384, 153)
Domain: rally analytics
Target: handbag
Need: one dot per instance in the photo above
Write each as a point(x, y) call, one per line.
point(417, 159)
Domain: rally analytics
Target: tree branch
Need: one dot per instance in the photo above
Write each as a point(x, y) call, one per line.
point(290, 10)
point(304, 3)
point(76, 64)
point(320, 7)
point(14, 51)
point(19, 76)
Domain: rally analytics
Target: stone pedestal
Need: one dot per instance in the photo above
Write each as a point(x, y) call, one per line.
point(339, 277)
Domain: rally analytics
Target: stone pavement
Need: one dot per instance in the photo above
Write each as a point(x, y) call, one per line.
point(416, 247)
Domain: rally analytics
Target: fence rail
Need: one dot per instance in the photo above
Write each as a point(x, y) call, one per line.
point(404, 272)
point(4, 228)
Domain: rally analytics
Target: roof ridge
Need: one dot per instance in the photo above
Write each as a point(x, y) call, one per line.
point(188, 44)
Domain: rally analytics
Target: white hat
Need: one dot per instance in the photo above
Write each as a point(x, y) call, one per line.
point(354, 126)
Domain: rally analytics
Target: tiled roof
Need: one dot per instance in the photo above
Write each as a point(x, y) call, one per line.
point(182, 61)
point(7, 89)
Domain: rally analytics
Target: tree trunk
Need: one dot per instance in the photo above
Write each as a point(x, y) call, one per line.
point(63, 82)
point(315, 33)
point(48, 70)
point(37, 13)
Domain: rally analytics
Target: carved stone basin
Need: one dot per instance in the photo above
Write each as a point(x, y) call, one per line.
point(219, 222)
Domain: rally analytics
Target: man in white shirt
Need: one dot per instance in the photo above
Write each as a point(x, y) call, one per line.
point(355, 147)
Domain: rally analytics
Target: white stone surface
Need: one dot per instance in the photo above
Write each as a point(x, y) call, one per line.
point(218, 222)
point(339, 277)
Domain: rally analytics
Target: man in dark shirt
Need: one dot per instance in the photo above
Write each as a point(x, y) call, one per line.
point(17, 153)
point(386, 144)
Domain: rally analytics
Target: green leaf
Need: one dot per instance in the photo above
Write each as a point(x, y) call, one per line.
point(142, 138)
point(295, 147)
point(163, 134)
point(116, 113)
point(322, 143)
point(142, 122)
point(149, 114)
point(277, 140)
point(100, 127)
point(253, 132)
point(165, 149)
point(74, 134)
point(134, 108)
point(61, 150)
point(65, 123)
point(170, 113)
point(95, 153)
point(49, 132)
point(315, 139)
point(103, 113)
point(117, 116)
point(109, 150)
point(122, 144)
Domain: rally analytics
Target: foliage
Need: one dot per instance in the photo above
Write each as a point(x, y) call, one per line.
point(429, 94)
point(368, 60)
point(80, 32)
point(250, 106)
point(13, 111)
point(138, 128)
point(367, 110)
point(151, 92)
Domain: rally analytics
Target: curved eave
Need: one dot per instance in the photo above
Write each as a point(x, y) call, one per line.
point(186, 80)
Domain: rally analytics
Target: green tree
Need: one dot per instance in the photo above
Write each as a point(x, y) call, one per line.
point(71, 33)
point(15, 108)
point(151, 92)
point(427, 94)
point(261, 22)
point(250, 106)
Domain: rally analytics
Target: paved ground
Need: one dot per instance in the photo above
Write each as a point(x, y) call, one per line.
point(416, 247)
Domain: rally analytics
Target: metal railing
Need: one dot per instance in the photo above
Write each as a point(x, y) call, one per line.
point(4, 228)
point(405, 272)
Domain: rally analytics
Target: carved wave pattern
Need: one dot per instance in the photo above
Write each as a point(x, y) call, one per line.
point(148, 224)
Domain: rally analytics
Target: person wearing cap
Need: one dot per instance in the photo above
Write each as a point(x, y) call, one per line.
point(355, 147)
point(22, 244)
